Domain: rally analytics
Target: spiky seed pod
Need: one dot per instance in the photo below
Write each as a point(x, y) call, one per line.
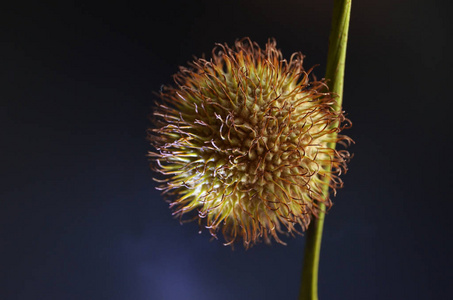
point(242, 140)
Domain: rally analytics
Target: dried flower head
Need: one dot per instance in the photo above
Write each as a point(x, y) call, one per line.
point(242, 141)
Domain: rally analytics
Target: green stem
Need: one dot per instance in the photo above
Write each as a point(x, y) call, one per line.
point(335, 78)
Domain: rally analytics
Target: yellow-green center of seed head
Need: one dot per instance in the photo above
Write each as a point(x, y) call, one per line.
point(242, 140)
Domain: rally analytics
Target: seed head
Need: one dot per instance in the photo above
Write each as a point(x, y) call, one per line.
point(242, 142)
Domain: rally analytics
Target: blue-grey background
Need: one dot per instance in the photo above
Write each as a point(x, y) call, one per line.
point(79, 215)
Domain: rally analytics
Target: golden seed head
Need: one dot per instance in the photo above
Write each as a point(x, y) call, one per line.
point(242, 141)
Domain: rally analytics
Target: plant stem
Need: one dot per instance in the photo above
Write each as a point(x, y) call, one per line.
point(336, 56)
point(335, 78)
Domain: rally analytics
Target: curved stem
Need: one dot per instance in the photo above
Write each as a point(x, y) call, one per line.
point(309, 285)
point(335, 78)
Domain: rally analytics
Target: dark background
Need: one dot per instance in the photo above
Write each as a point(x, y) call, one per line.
point(79, 215)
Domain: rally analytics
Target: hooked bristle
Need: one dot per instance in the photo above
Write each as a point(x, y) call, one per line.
point(243, 140)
